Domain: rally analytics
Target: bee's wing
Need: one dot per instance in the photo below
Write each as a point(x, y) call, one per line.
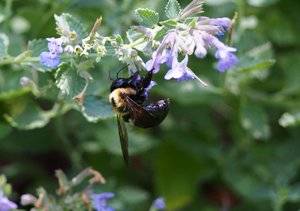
point(139, 115)
point(123, 137)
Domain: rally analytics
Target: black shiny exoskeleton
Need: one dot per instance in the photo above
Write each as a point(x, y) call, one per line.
point(141, 115)
point(128, 98)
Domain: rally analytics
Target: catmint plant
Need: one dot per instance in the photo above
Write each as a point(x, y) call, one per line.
point(150, 45)
point(153, 45)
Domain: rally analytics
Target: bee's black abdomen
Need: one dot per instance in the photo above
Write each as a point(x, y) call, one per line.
point(159, 106)
point(157, 113)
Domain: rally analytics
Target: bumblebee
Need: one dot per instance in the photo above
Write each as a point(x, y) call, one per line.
point(128, 98)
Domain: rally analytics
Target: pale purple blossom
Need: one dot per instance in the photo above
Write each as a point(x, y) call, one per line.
point(180, 70)
point(51, 58)
point(99, 201)
point(225, 54)
point(6, 204)
point(159, 203)
point(55, 45)
point(164, 54)
point(197, 40)
point(227, 61)
point(224, 24)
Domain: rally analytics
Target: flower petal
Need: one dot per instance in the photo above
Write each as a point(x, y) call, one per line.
point(49, 59)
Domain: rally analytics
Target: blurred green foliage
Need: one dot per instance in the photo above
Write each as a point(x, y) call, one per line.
point(234, 145)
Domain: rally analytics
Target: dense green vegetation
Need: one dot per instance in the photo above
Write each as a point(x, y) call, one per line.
point(233, 145)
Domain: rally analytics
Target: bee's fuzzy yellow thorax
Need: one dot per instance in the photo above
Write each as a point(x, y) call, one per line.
point(116, 97)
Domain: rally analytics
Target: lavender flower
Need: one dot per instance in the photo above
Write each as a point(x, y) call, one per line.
point(180, 71)
point(223, 24)
point(197, 39)
point(55, 45)
point(99, 201)
point(51, 59)
point(159, 203)
point(223, 53)
point(164, 54)
point(5, 204)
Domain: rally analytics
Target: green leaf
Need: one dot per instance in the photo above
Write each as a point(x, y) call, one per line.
point(37, 46)
point(172, 9)
point(10, 85)
point(132, 195)
point(69, 81)
point(5, 130)
point(254, 120)
point(109, 139)
point(147, 16)
point(3, 44)
point(254, 64)
point(289, 63)
point(26, 115)
point(95, 109)
point(67, 23)
point(173, 162)
point(294, 193)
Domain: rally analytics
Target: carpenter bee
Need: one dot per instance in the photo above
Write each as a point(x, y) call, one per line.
point(128, 97)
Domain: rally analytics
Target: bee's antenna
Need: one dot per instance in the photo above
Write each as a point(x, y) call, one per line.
point(123, 68)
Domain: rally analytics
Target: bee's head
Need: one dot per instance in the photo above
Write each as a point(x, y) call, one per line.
point(135, 81)
point(119, 83)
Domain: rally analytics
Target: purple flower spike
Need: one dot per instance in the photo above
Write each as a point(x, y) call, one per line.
point(49, 59)
point(198, 39)
point(159, 203)
point(99, 201)
point(5, 204)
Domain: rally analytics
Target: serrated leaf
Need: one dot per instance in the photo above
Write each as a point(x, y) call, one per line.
point(37, 46)
point(172, 9)
point(94, 109)
point(147, 17)
point(66, 23)
point(69, 81)
point(254, 120)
